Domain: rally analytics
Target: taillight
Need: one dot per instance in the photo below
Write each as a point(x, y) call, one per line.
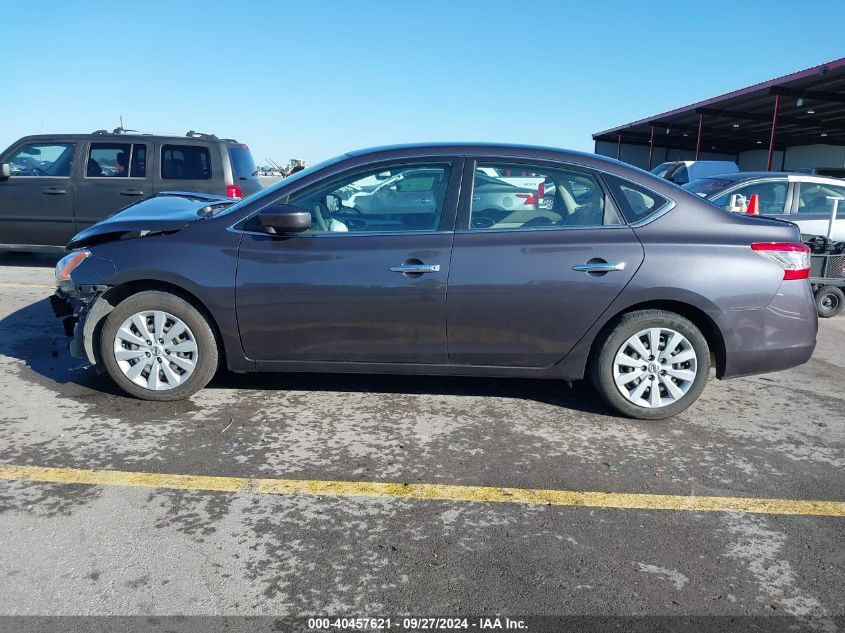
point(233, 191)
point(793, 257)
point(527, 198)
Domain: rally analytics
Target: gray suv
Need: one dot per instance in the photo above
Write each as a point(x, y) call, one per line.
point(54, 185)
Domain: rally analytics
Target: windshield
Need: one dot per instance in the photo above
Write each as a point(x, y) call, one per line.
point(284, 182)
point(707, 186)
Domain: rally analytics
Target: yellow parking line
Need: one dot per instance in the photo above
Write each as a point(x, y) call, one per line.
point(434, 492)
point(9, 284)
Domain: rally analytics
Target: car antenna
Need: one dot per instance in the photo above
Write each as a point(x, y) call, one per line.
point(121, 129)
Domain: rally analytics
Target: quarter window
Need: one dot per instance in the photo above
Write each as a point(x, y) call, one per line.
point(637, 202)
point(185, 162)
point(117, 160)
point(771, 198)
point(521, 196)
point(43, 159)
point(395, 198)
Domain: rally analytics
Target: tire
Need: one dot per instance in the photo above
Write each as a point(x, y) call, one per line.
point(181, 371)
point(830, 301)
point(678, 384)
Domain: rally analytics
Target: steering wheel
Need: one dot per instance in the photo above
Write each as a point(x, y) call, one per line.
point(317, 212)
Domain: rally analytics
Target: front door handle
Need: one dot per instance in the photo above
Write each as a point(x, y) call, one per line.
point(598, 267)
point(54, 191)
point(416, 269)
point(131, 192)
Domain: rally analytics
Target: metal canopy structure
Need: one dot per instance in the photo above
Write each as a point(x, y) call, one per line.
point(803, 108)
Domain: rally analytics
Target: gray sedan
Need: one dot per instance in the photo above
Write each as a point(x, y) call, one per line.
point(616, 276)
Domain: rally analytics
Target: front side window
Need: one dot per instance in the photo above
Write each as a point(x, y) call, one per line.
point(117, 160)
point(771, 197)
point(394, 198)
point(43, 159)
point(521, 196)
point(185, 162)
point(815, 198)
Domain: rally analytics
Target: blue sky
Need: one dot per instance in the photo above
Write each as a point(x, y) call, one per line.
point(315, 78)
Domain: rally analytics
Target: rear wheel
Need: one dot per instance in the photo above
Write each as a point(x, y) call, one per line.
point(653, 365)
point(830, 301)
point(157, 346)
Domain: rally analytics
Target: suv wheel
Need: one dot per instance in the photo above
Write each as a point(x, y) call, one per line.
point(157, 346)
point(653, 365)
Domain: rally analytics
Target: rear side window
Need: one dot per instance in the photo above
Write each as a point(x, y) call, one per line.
point(116, 160)
point(243, 165)
point(637, 202)
point(185, 162)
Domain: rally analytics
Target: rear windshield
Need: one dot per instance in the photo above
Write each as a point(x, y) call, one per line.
point(243, 165)
point(706, 186)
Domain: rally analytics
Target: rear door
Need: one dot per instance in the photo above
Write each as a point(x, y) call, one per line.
point(36, 202)
point(114, 175)
point(523, 295)
point(814, 206)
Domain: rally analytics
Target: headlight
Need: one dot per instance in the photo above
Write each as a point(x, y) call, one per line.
point(67, 264)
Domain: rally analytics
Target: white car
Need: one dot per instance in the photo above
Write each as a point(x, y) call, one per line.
point(800, 198)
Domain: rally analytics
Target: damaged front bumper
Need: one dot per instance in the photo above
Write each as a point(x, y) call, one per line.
point(82, 310)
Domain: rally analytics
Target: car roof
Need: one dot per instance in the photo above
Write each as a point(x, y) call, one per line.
point(789, 175)
point(499, 150)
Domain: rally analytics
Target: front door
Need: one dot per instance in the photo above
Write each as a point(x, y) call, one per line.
point(366, 283)
point(114, 176)
point(36, 202)
point(531, 272)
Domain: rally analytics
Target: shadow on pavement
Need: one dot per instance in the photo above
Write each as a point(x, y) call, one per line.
point(30, 260)
point(33, 335)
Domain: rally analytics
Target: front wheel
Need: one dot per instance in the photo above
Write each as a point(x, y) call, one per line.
point(157, 346)
point(652, 365)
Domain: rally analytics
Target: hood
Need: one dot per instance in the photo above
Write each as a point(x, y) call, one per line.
point(165, 212)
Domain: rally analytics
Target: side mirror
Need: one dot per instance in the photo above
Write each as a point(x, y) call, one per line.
point(5, 171)
point(284, 218)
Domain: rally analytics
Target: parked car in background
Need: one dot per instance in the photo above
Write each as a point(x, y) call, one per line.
point(641, 288)
point(683, 171)
point(55, 185)
point(800, 198)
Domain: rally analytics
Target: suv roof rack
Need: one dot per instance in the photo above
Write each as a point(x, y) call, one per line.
point(192, 134)
point(117, 130)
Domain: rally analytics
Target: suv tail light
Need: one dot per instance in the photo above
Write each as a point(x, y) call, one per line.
point(233, 191)
point(793, 257)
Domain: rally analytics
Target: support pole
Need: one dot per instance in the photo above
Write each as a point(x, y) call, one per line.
point(650, 148)
point(698, 140)
point(774, 131)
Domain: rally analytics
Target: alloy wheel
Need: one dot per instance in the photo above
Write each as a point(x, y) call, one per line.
point(655, 368)
point(155, 350)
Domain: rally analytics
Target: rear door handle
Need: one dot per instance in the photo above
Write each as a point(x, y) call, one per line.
point(415, 269)
point(54, 191)
point(598, 267)
point(131, 192)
